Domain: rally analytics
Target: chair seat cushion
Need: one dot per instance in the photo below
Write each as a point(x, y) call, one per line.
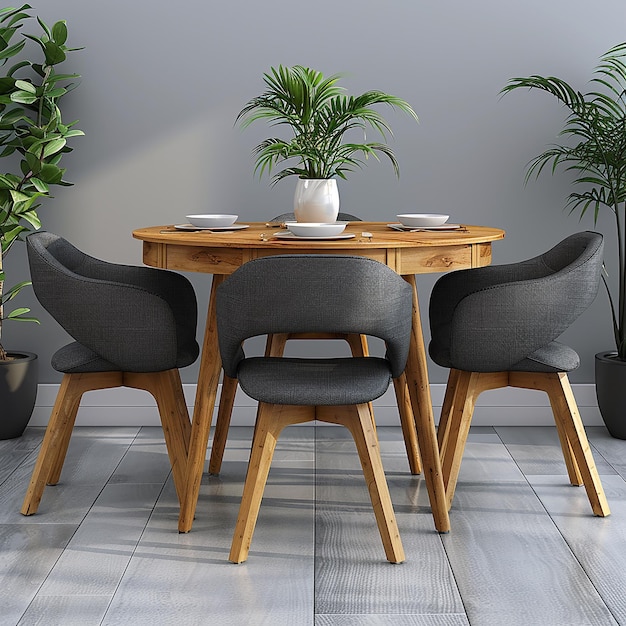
point(310, 382)
point(555, 357)
point(77, 359)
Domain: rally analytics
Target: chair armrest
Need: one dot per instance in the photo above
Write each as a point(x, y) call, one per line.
point(138, 318)
point(499, 326)
point(174, 288)
point(451, 288)
point(126, 325)
point(490, 318)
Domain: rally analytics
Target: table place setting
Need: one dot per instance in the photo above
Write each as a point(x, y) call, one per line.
point(211, 222)
point(314, 230)
point(421, 222)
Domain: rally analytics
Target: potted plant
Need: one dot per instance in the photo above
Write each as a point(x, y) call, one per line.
point(328, 134)
point(33, 139)
point(596, 152)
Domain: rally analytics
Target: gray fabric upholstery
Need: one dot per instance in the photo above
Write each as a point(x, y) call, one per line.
point(290, 217)
point(75, 358)
point(123, 318)
point(311, 382)
point(317, 294)
point(555, 357)
point(507, 317)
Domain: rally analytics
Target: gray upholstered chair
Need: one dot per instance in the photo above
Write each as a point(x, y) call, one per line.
point(275, 347)
point(497, 326)
point(318, 294)
point(132, 326)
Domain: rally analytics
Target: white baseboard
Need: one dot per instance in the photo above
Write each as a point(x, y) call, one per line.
point(500, 407)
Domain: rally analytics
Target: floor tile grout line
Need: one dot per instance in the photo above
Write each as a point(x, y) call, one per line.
point(556, 526)
point(454, 577)
point(78, 524)
point(453, 573)
point(141, 535)
point(32, 453)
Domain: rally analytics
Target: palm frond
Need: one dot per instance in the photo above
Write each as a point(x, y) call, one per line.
point(595, 130)
point(563, 92)
point(322, 120)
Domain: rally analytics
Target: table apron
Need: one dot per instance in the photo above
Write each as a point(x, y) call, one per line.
point(223, 260)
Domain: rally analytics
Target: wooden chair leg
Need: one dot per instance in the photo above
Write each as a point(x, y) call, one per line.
point(275, 345)
point(364, 434)
point(59, 431)
point(443, 430)
point(566, 411)
point(167, 390)
point(408, 424)
point(468, 386)
point(358, 344)
point(543, 382)
point(58, 456)
point(573, 471)
point(224, 413)
point(457, 427)
point(271, 419)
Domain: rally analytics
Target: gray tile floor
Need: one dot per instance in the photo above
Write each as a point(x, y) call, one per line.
point(103, 549)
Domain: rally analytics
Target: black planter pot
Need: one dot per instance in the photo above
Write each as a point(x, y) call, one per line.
point(611, 392)
point(18, 392)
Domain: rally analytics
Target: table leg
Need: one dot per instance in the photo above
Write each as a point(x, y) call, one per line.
point(419, 392)
point(206, 391)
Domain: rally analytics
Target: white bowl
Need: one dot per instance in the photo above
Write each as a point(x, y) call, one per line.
point(316, 229)
point(212, 220)
point(417, 220)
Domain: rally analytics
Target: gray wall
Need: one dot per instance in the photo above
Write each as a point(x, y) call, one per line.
point(163, 82)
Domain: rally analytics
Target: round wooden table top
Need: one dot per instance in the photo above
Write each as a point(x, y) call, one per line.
point(221, 252)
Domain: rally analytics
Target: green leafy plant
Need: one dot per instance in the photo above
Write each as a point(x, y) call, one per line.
point(33, 137)
point(596, 152)
point(321, 118)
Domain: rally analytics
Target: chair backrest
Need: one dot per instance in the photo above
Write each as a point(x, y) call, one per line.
point(138, 318)
point(498, 315)
point(290, 217)
point(314, 294)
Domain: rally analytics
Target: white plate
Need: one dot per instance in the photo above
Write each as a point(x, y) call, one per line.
point(212, 220)
point(216, 228)
point(337, 222)
point(315, 229)
point(398, 226)
point(288, 235)
point(417, 220)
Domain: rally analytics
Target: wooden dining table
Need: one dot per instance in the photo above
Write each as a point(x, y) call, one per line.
point(409, 253)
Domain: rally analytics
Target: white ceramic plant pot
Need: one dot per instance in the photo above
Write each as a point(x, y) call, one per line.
point(316, 200)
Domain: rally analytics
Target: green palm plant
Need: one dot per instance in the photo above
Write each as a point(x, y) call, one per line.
point(33, 136)
point(321, 118)
point(596, 152)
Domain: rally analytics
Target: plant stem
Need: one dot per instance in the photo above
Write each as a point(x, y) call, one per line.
point(47, 72)
point(621, 238)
